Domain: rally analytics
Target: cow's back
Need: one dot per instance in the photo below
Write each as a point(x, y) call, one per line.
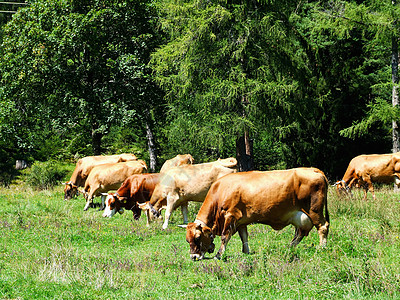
point(115, 172)
point(179, 160)
point(86, 164)
point(193, 180)
point(378, 167)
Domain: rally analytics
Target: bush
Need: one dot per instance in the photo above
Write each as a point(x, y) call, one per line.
point(45, 175)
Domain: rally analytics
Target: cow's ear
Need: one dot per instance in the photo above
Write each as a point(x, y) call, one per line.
point(136, 184)
point(144, 206)
point(207, 230)
point(122, 199)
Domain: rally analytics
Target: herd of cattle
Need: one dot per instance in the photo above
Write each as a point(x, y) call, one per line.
point(231, 200)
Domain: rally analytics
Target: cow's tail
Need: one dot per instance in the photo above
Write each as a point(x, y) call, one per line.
point(326, 210)
point(326, 198)
point(326, 194)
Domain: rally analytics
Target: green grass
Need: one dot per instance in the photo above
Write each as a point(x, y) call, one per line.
point(51, 249)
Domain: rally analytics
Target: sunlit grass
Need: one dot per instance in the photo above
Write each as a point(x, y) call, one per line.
point(52, 249)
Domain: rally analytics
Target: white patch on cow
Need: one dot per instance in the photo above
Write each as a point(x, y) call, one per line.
point(107, 210)
point(397, 181)
point(301, 220)
point(323, 233)
point(197, 256)
point(201, 223)
point(87, 205)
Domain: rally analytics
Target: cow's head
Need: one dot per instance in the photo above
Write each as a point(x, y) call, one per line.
point(200, 239)
point(113, 205)
point(342, 187)
point(148, 206)
point(70, 190)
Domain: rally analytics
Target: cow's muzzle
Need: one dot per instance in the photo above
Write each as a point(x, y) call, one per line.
point(153, 210)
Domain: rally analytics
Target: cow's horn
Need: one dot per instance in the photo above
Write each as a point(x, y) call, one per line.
point(182, 226)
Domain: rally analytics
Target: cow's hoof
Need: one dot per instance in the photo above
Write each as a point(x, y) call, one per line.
point(217, 256)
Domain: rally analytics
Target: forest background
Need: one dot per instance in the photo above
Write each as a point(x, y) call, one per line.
point(277, 84)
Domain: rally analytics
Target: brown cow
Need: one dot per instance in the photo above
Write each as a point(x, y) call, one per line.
point(85, 165)
point(186, 183)
point(275, 198)
point(363, 170)
point(106, 177)
point(179, 160)
point(136, 189)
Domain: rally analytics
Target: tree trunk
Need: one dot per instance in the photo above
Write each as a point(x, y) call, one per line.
point(395, 92)
point(96, 139)
point(244, 152)
point(244, 145)
point(151, 144)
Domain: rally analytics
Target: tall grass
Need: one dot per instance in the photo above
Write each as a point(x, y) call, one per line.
point(52, 249)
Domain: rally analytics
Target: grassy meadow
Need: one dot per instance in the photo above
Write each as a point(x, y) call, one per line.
point(52, 249)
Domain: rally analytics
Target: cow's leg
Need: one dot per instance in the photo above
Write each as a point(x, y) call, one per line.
point(368, 187)
point(244, 237)
point(103, 202)
point(184, 208)
point(303, 224)
point(227, 232)
point(92, 192)
point(323, 231)
point(350, 186)
point(316, 214)
point(397, 180)
point(168, 212)
point(352, 182)
point(365, 189)
point(299, 234)
point(89, 201)
point(171, 201)
point(148, 217)
point(371, 189)
point(149, 214)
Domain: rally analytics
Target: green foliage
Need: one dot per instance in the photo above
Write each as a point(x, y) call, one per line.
point(127, 140)
point(72, 69)
point(45, 175)
point(296, 74)
point(373, 23)
point(226, 68)
point(381, 111)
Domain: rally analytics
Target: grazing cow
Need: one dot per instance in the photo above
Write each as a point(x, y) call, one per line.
point(275, 198)
point(136, 189)
point(106, 177)
point(363, 170)
point(179, 160)
point(83, 168)
point(186, 183)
